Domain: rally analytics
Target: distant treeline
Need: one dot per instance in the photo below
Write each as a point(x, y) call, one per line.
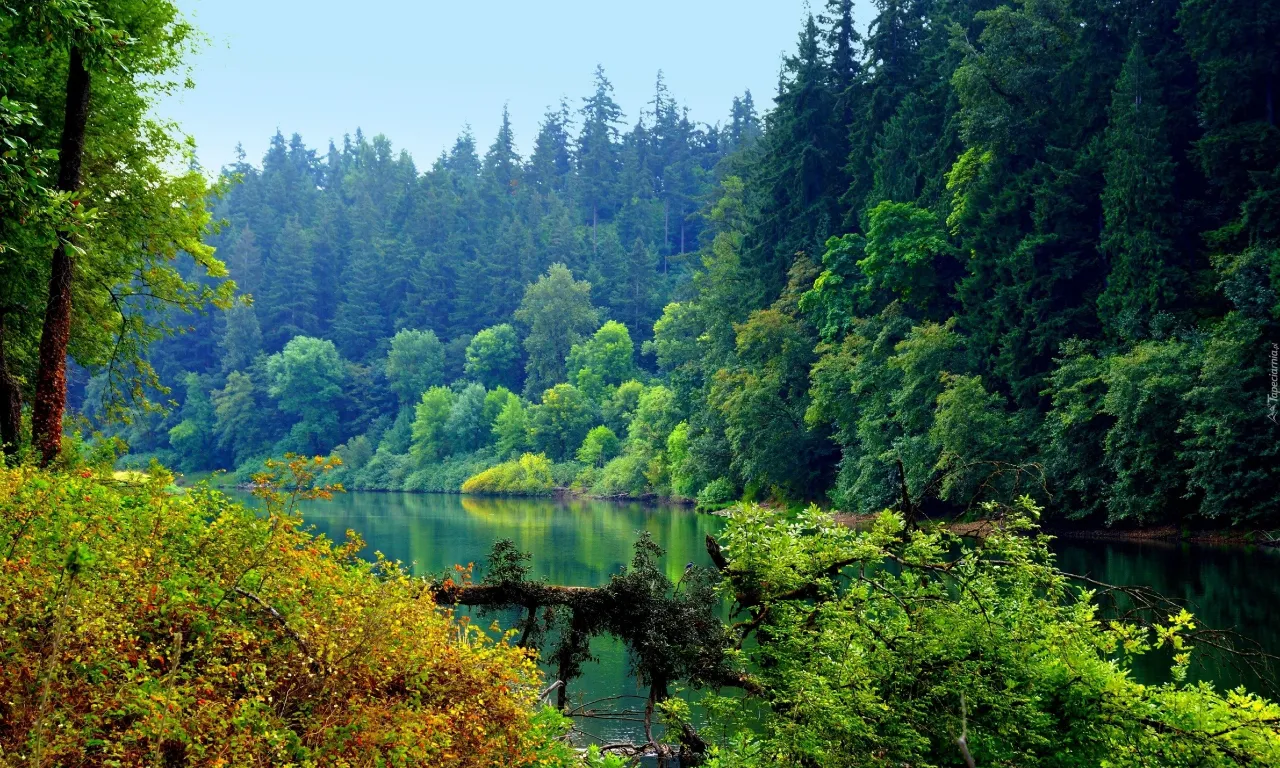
point(974, 250)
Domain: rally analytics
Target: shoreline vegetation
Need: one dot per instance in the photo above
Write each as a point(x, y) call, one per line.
point(1165, 533)
point(1017, 262)
point(988, 253)
point(188, 626)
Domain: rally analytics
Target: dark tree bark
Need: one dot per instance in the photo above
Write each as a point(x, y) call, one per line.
point(579, 637)
point(1271, 99)
point(10, 401)
point(51, 375)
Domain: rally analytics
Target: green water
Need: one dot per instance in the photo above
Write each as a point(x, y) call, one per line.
point(578, 542)
point(573, 542)
point(1233, 588)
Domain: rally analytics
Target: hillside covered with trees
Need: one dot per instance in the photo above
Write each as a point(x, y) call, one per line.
point(977, 246)
point(428, 325)
point(1021, 259)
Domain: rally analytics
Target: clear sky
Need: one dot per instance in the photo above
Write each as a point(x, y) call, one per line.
point(419, 71)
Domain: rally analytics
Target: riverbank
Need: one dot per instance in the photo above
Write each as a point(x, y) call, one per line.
point(1172, 534)
point(1163, 533)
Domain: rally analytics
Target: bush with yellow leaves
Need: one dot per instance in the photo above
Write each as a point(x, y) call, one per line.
point(139, 626)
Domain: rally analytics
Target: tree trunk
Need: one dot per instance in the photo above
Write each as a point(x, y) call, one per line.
point(10, 402)
point(578, 639)
point(666, 227)
point(51, 375)
point(1271, 99)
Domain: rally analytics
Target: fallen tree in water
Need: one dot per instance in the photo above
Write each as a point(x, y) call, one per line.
point(903, 641)
point(671, 631)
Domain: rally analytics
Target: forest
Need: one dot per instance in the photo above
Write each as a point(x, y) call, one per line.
point(1000, 262)
point(980, 246)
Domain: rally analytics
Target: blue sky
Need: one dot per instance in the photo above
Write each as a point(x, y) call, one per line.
point(420, 71)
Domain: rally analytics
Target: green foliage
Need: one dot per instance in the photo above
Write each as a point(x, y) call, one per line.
point(969, 422)
point(493, 357)
point(194, 432)
point(558, 313)
point(430, 437)
point(529, 475)
point(717, 495)
point(558, 425)
point(609, 353)
point(414, 364)
point(599, 446)
point(906, 251)
point(511, 428)
point(1143, 222)
point(442, 476)
point(306, 380)
point(621, 406)
point(625, 475)
point(654, 417)
point(683, 480)
point(468, 426)
point(958, 651)
point(763, 400)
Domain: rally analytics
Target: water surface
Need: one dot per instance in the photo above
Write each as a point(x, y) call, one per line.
point(573, 542)
point(583, 542)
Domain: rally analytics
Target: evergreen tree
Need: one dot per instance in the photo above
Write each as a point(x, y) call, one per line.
point(744, 124)
point(241, 340)
point(597, 155)
point(363, 318)
point(800, 171)
point(288, 301)
point(502, 169)
point(551, 163)
point(635, 289)
point(1139, 236)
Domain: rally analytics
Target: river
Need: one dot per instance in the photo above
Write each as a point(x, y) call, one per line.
point(582, 542)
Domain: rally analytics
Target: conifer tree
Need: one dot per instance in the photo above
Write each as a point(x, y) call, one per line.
point(362, 319)
point(502, 168)
point(597, 155)
point(288, 301)
point(551, 162)
point(1141, 216)
point(800, 172)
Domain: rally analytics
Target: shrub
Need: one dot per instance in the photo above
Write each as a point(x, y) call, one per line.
point(386, 471)
point(965, 651)
point(599, 446)
point(624, 476)
point(447, 475)
point(565, 473)
point(144, 628)
point(529, 475)
point(717, 494)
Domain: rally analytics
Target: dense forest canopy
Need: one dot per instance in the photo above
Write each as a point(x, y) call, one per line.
point(1012, 259)
point(973, 247)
